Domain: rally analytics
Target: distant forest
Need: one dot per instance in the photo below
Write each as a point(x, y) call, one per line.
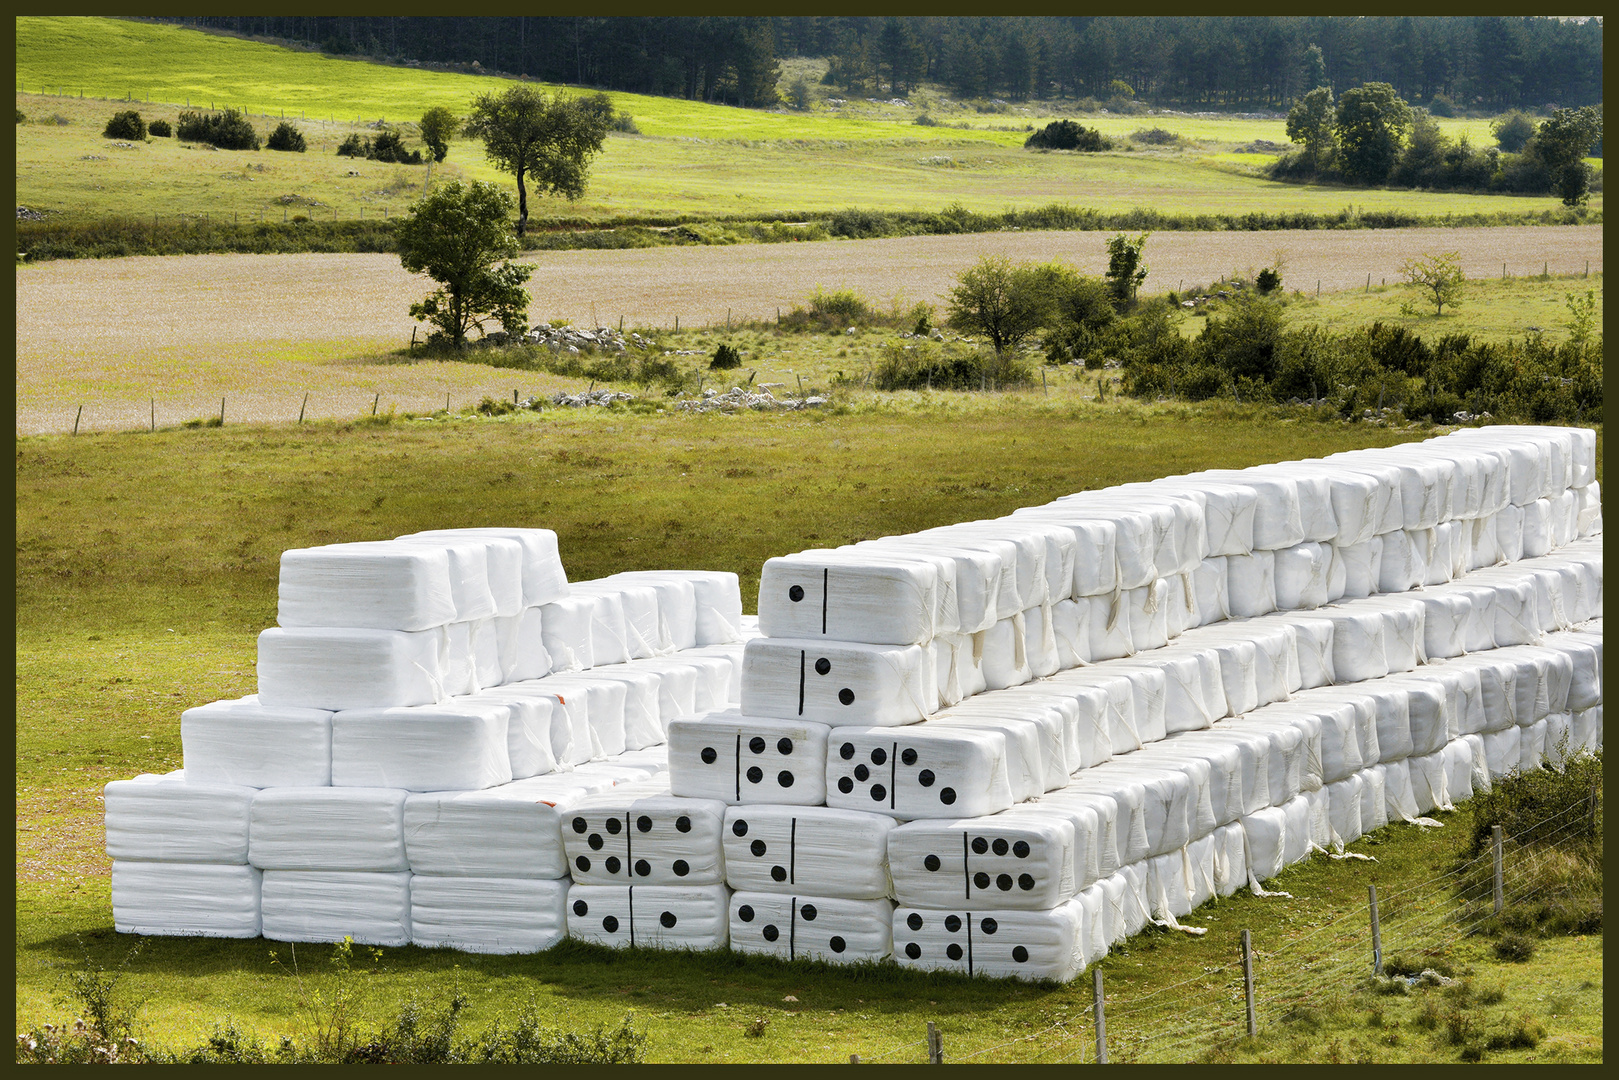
point(1471, 62)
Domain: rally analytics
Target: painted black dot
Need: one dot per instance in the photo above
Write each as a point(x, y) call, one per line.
point(947, 796)
point(823, 666)
point(952, 923)
point(614, 826)
point(739, 827)
point(954, 951)
point(778, 873)
point(931, 862)
point(981, 880)
point(980, 845)
point(595, 841)
point(846, 696)
point(784, 779)
point(745, 912)
point(1020, 954)
point(681, 868)
point(861, 772)
point(642, 868)
point(708, 755)
point(612, 864)
point(846, 751)
point(838, 944)
point(579, 825)
point(1021, 849)
point(643, 823)
point(914, 951)
point(989, 926)
point(756, 744)
point(581, 908)
point(1001, 846)
point(845, 784)
point(878, 793)
point(809, 912)
point(879, 756)
point(755, 774)
point(667, 919)
point(610, 924)
point(784, 747)
point(683, 824)
point(1025, 882)
point(796, 593)
point(1003, 882)
point(584, 867)
point(757, 847)
point(908, 757)
point(770, 932)
point(925, 778)
point(914, 921)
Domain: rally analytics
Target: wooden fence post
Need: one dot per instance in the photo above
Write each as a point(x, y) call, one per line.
point(935, 1045)
point(374, 402)
point(1101, 1017)
point(1377, 933)
point(854, 1059)
point(1248, 981)
point(221, 412)
point(1495, 848)
point(302, 407)
point(76, 419)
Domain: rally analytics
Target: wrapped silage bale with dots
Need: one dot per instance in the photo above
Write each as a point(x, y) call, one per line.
point(746, 759)
point(830, 929)
point(1029, 945)
point(850, 596)
point(838, 682)
point(638, 834)
point(1021, 862)
point(651, 916)
point(920, 771)
point(808, 849)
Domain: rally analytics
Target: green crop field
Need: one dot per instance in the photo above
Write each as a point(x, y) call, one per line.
point(691, 158)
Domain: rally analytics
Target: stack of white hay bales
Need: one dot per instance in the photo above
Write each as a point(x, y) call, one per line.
point(993, 747)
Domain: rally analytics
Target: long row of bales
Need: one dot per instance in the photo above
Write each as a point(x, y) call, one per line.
point(996, 747)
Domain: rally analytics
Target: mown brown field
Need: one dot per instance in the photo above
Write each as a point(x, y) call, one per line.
point(124, 336)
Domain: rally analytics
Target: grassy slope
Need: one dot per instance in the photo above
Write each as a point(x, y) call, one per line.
point(146, 566)
point(693, 158)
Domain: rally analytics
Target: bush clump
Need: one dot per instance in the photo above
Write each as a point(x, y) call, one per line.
point(925, 367)
point(288, 138)
point(228, 130)
point(160, 129)
point(387, 146)
point(125, 125)
point(1068, 135)
point(725, 358)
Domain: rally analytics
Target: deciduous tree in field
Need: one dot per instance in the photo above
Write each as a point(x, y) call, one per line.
point(533, 135)
point(1125, 270)
point(1370, 124)
point(1309, 123)
point(459, 236)
point(1006, 302)
point(1438, 278)
point(1562, 143)
point(438, 127)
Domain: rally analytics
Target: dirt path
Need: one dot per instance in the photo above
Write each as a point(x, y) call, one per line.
point(260, 331)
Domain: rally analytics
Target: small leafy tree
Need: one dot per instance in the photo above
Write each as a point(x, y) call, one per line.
point(1006, 302)
point(1562, 143)
point(725, 358)
point(533, 135)
point(1512, 131)
point(1309, 123)
point(1437, 278)
point(125, 125)
point(438, 127)
point(1125, 270)
point(1582, 312)
point(288, 138)
point(458, 235)
point(1370, 124)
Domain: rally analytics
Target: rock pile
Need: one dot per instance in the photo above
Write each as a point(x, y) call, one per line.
point(740, 398)
point(589, 397)
point(570, 339)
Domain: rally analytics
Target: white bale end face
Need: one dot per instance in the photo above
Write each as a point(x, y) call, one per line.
point(321, 906)
point(334, 668)
point(791, 927)
point(173, 899)
point(746, 759)
point(838, 682)
point(500, 916)
point(808, 849)
point(173, 819)
point(999, 943)
point(1023, 863)
point(377, 585)
point(651, 916)
point(849, 598)
point(638, 835)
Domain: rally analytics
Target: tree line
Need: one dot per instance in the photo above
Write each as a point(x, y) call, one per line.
point(1477, 62)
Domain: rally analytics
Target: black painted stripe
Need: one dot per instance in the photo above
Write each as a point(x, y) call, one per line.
point(629, 846)
point(969, 943)
point(792, 927)
point(826, 575)
point(966, 875)
point(893, 769)
point(632, 914)
point(801, 662)
point(792, 853)
point(738, 760)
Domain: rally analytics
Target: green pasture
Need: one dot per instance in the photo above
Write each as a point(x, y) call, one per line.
point(146, 566)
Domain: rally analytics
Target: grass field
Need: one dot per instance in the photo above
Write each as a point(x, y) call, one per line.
point(140, 593)
point(692, 158)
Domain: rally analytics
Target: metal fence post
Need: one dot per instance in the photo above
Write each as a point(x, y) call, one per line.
point(1101, 1017)
point(1248, 981)
point(1377, 933)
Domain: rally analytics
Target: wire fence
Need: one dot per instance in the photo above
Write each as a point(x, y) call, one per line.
point(1185, 1020)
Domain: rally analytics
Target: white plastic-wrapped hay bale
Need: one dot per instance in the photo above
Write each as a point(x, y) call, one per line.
point(1149, 687)
point(596, 708)
point(1112, 717)
point(1585, 729)
point(1148, 611)
point(1020, 862)
point(676, 606)
point(1211, 591)
point(543, 579)
point(520, 640)
point(172, 819)
point(802, 849)
point(921, 771)
point(836, 930)
point(644, 705)
point(744, 759)
point(1251, 583)
point(1343, 811)
point(330, 828)
point(1313, 640)
point(1032, 542)
point(1096, 567)
point(510, 831)
point(651, 916)
point(486, 572)
point(488, 915)
point(711, 678)
point(717, 596)
point(565, 625)
point(256, 745)
point(1000, 943)
point(639, 634)
point(1109, 624)
point(849, 597)
point(376, 585)
point(977, 574)
point(639, 834)
point(177, 899)
point(529, 745)
point(1071, 627)
point(333, 668)
point(838, 682)
point(1227, 511)
point(456, 746)
point(317, 906)
point(1036, 757)
point(1588, 517)
point(1091, 515)
point(1278, 514)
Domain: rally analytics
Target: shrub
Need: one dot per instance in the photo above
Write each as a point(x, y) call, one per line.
point(1541, 804)
point(22, 118)
point(286, 137)
point(950, 368)
point(1514, 948)
point(1157, 137)
point(1512, 131)
point(354, 146)
point(1268, 281)
point(125, 125)
point(159, 129)
point(228, 130)
point(1067, 135)
point(725, 358)
point(388, 146)
point(859, 224)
